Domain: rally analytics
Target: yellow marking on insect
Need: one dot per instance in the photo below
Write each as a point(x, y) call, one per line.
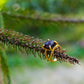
point(51, 49)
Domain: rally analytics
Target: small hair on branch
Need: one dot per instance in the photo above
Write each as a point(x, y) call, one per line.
point(28, 42)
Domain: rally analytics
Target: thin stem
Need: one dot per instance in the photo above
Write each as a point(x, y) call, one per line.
point(1, 21)
point(67, 20)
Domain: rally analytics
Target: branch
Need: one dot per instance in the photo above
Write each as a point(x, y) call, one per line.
point(40, 18)
point(28, 42)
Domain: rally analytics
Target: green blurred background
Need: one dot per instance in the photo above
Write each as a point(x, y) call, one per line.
point(25, 69)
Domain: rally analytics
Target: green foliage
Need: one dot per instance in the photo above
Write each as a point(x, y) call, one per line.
point(2, 3)
point(52, 6)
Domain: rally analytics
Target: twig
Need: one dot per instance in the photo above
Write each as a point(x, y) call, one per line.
point(28, 42)
point(67, 20)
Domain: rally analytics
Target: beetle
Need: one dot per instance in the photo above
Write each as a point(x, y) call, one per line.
point(50, 45)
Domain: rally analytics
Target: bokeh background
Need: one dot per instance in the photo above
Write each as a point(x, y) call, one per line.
point(26, 69)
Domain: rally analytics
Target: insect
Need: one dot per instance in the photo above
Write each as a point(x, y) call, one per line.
point(50, 45)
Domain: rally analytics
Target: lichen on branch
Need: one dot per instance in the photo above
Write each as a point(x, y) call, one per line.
point(28, 42)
